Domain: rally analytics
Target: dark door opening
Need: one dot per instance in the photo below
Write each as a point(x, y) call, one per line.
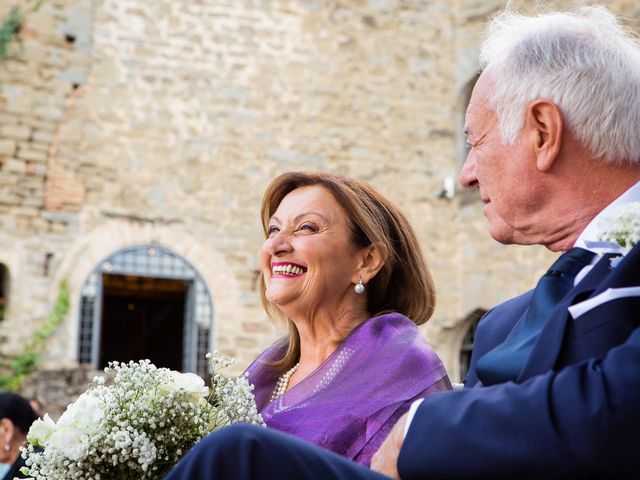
point(142, 317)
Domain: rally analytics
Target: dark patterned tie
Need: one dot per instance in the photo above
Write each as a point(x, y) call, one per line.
point(505, 361)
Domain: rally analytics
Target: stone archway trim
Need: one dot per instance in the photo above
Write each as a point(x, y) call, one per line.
point(87, 251)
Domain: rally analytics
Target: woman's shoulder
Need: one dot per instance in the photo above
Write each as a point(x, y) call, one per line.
point(398, 337)
point(393, 324)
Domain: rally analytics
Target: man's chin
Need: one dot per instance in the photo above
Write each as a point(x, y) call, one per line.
point(504, 237)
point(500, 230)
point(510, 236)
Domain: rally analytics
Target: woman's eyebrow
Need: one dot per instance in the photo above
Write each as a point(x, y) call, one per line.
point(302, 215)
point(299, 216)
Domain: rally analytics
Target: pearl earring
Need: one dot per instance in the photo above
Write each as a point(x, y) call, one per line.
point(359, 288)
point(7, 446)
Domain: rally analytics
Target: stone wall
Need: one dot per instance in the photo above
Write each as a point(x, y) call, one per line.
point(131, 121)
point(37, 85)
point(54, 389)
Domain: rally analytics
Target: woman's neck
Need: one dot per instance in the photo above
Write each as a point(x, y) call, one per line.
point(320, 336)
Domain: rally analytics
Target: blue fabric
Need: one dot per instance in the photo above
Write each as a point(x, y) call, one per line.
point(243, 452)
point(490, 333)
point(506, 361)
point(571, 413)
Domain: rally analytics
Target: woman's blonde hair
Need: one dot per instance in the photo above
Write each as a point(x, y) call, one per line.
point(402, 285)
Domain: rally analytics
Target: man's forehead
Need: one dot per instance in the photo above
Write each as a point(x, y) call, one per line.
point(472, 118)
point(478, 110)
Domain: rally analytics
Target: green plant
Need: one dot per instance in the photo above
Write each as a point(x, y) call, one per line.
point(10, 28)
point(27, 362)
point(9, 31)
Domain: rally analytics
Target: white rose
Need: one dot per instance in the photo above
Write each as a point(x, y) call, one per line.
point(73, 443)
point(81, 419)
point(191, 383)
point(41, 430)
point(85, 412)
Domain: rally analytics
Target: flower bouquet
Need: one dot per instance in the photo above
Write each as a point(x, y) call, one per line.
point(137, 423)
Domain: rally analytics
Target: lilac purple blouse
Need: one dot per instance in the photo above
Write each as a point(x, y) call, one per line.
point(350, 402)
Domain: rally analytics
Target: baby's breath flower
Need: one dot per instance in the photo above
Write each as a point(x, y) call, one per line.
point(138, 426)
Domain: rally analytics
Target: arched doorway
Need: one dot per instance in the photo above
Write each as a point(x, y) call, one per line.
point(145, 301)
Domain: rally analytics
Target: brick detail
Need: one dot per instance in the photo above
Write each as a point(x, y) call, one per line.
point(64, 187)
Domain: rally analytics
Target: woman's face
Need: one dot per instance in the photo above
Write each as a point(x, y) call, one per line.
point(308, 260)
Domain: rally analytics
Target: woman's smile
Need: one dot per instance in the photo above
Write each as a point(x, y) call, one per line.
point(287, 270)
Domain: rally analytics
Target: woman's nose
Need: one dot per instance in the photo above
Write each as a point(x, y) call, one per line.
point(279, 244)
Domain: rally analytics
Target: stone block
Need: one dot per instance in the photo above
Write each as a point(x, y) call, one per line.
point(7, 147)
point(246, 342)
point(42, 136)
point(256, 327)
point(15, 132)
point(32, 155)
point(37, 169)
point(14, 165)
point(7, 118)
point(24, 211)
point(49, 113)
point(33, 201)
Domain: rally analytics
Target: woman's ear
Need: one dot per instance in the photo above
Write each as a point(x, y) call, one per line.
point(544, 124)
point(373, 258)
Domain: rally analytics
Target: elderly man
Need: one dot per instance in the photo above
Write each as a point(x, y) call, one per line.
point(554, 386)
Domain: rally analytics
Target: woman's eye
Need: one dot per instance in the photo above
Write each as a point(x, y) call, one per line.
point(272, 231)
point(308, 227)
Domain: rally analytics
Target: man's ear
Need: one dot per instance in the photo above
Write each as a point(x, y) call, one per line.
point(545, 125)
point(373, 258)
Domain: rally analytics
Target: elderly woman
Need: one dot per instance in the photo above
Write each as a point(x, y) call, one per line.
point(344, 268)
point(16, 416)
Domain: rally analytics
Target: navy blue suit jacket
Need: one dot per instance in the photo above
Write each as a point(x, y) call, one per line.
point(573, 411)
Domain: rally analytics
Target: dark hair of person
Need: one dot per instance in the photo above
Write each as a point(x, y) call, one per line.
point(17, 409)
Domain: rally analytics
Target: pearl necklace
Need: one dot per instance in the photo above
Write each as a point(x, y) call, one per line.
point(283, 383)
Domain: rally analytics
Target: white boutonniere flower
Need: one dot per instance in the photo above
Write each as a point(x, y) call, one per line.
point(622, 226)
point(621, 229)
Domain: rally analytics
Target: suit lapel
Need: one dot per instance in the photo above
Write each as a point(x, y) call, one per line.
point(625, 274)
point(545, 352)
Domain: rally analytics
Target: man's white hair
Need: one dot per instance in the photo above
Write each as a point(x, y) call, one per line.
point(584, 61)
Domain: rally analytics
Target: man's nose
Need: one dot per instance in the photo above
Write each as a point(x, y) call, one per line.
point(467, 176)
